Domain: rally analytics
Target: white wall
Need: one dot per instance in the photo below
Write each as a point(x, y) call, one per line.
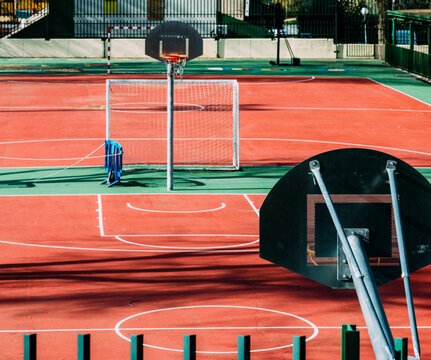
point(135, 48)
point(57, 48)
point(267, 48)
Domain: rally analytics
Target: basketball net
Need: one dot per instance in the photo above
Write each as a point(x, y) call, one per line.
point(176, 63)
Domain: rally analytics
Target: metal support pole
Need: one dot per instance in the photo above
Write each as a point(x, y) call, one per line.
point(108, 110)
point(243, 347)
point(189, 347)
point(137, 347)
point(278, 46)
point(411, 36)
point(405, 274)
point(299, 348)
point(29, 346)
point(429, 39)
point(170, 127)
point(381, 337)
point(83, 346)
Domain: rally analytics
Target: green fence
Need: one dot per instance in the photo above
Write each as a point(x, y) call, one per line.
point(409, 41)
point(350, 346)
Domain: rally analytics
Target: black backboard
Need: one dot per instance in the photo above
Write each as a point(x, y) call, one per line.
point(173, 37)
point(296, 230)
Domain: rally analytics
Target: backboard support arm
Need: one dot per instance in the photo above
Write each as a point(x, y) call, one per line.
point(366, 288)
point(391, 166)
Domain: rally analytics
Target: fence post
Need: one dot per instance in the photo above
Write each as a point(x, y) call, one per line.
point(394, 32)
point(401, 348)
point(189, 347)
point(429, 39)
point(243, 347)
point(84, 347)
point(349, 342)
point(136, 347)
point(299, 348)
point(412, 36)
point(29, 346)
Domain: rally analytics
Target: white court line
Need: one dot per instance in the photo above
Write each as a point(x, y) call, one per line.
point(187, 248)
point(337, 143)
point(255, 107)
point(78, 107)
point(185, 235)
point(200, 328)
point(258, 107)
point(256, 210)
point(311, 325)
point(63, 159)
point(126, 250)
point(48, 140)
point(244, 139)
point(275, 82)
point(223, 205)
point(399, 91)
point(38, 83)
point(100, 215)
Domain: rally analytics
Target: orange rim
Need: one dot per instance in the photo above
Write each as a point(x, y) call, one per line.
point(174, 58)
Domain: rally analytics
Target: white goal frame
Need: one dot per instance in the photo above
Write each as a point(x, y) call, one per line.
point(235, 165)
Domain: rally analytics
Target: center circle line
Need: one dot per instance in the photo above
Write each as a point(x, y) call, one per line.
point(311, 325)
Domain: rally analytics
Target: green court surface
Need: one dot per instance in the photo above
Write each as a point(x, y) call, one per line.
point(85, 180)
point(357, 68)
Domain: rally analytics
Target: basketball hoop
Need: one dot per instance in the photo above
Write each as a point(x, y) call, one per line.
point(165, 43)
point(175, 64)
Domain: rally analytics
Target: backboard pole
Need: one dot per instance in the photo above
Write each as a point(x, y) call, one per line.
point(366, 289)
point(390, 169)
point(170, 126)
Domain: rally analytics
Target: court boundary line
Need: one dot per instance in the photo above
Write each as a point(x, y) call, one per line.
point(423, 327)
point(255, 209)
point(398, 91)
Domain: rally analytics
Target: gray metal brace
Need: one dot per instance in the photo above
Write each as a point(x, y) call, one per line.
point(391, 166)
point(366, 289)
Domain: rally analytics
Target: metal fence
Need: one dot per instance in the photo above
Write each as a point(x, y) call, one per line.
point(409, 41)
point(346, 21)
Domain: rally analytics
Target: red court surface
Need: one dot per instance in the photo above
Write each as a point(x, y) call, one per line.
point(284, 120)
point(167, 265)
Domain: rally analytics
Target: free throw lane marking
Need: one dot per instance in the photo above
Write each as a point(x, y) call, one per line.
point(187, 248)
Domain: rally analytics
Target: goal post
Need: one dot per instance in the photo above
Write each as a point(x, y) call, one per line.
point(206, 123)
point(119, 30)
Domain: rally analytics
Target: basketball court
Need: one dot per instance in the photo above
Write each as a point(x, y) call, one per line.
point(78, 257)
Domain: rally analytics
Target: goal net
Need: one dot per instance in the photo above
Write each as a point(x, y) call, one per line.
point(205, 130)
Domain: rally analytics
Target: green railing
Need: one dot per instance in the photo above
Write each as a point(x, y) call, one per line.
point(409, 41)
point(350, 346)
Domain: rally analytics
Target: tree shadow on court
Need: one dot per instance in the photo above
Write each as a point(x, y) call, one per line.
point(96, 284)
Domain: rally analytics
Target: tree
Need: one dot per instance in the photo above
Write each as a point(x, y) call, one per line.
point(383, 6)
